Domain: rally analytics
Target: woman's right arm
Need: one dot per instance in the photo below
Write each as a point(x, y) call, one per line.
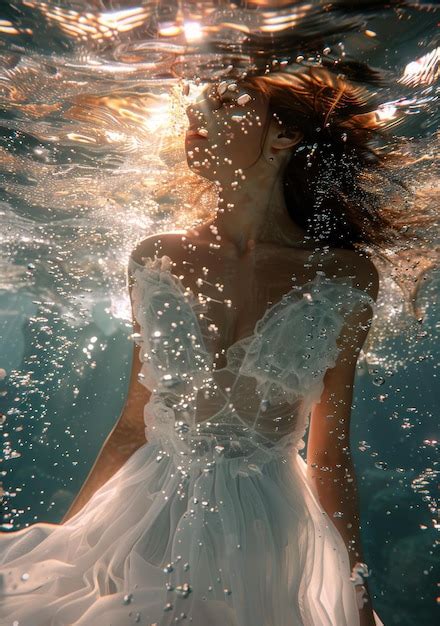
point(126, 437)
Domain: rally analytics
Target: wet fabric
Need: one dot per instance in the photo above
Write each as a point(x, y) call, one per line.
point(213, 521)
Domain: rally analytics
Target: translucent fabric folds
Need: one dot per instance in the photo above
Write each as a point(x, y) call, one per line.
point(212, 522)
point(295, 341)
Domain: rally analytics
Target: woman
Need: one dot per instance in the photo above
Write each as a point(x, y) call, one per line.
point(247, 327)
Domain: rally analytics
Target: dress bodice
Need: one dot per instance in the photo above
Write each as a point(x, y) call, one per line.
point(260, 401)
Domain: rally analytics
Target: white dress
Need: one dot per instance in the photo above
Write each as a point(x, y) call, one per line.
point(213, 521)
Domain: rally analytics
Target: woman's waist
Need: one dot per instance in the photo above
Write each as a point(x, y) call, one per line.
point(226, 435)
point(202, 452)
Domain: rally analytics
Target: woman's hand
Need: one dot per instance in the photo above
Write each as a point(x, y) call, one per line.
point(366, 617)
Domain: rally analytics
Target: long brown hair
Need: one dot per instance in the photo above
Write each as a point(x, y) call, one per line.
point(340, 183)
point(345, 183)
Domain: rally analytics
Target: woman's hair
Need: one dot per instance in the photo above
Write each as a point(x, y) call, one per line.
point(341, 183)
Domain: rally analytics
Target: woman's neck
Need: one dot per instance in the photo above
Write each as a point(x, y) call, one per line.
point(244, 224)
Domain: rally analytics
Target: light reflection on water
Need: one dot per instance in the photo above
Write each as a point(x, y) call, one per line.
point(92, 126)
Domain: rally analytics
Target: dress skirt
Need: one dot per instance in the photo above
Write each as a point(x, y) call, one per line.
point(226, 544)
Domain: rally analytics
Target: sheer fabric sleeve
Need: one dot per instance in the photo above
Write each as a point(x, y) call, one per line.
point(172, 349)
point(296, 341)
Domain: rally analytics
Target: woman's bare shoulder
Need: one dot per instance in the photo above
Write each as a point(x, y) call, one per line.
point(359, 265)
point(158, 243)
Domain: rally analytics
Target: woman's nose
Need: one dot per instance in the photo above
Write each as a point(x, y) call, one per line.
point(195, 116)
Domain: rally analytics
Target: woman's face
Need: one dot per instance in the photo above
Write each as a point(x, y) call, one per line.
point(233, 125)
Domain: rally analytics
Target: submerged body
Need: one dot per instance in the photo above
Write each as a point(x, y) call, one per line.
point(215, 519)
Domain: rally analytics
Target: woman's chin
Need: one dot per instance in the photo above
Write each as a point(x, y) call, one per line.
point(201, 170)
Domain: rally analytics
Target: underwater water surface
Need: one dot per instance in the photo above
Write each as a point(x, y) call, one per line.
point(92, 122)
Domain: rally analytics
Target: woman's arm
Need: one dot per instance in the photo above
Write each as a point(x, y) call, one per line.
point(126, 437)
point(330, 465)
point(336, 488)
point(117, 449)
point(329, 459)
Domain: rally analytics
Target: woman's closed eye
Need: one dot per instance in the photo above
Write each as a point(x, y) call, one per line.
point(216, 105)
point(219, 102)
point(228, 104)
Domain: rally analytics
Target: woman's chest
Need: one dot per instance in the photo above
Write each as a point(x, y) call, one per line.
point(236, 292)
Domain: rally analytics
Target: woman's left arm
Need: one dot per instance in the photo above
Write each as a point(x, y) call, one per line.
point(329, 462)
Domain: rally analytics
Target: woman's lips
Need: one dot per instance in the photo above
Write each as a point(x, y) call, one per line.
point(191, 134)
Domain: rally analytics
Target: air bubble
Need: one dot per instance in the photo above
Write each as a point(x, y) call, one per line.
point(381, 465)
point(181, 427)
point(183, 590)
point(264, 404)
point(170, 380)
point(244, 99)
